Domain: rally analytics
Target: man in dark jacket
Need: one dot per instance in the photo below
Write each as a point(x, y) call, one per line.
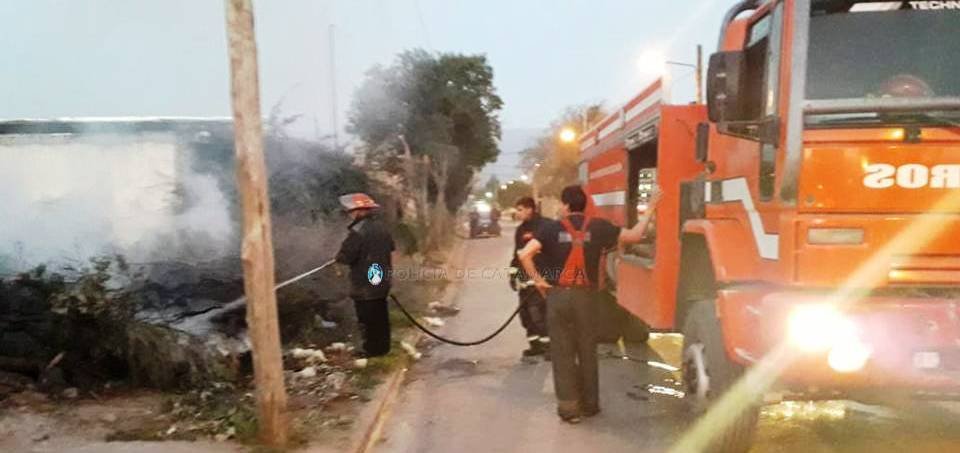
point(533, 306)
point(367, 251)
point(571, 250)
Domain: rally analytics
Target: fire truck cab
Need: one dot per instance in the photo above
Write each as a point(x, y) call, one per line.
point(807, 234)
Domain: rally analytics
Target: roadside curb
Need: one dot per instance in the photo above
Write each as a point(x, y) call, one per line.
point(396, 378)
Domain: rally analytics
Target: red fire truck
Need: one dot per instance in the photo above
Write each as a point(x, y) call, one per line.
point(810, 214)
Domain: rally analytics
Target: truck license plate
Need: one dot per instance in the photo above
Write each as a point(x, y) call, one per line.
point(926, 360)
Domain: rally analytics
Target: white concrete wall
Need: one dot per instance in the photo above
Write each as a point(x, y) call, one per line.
point(65, 198)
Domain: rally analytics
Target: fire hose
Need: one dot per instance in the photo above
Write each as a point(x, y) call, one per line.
point(410, 317)
point(413, 320)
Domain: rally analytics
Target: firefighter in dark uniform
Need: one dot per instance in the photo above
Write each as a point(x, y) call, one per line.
point(367, 251)
point(571, 249)
point(533, 306)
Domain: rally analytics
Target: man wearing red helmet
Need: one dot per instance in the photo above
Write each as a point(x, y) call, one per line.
point(367, 250)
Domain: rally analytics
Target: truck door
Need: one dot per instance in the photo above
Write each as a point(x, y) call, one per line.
point(752, 168)
point(635, 276)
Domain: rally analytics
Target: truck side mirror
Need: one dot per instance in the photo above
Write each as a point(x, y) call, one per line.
point(724, 86)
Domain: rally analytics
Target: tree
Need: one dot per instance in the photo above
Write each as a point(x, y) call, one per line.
point(505, 194)
point(431, 118)
point(552, 162)
point(507, 197)
point(492, 185)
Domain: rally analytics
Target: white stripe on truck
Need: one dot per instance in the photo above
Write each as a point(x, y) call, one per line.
point(737, 190)
point(618, 198)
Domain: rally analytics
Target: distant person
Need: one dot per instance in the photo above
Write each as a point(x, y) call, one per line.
point(367, 251)
point(571, 250)
point(533, 306)
point(474, 217)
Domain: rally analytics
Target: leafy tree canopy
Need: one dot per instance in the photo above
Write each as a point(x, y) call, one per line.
point(553, 162)
point(444, 105)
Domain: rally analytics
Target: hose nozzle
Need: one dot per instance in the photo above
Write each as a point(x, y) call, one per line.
point(525, 284)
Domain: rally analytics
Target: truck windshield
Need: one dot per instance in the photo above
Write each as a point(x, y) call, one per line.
point(865, 50)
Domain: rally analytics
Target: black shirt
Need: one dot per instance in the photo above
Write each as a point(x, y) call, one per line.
point(525, 232)
point(367, 251)
point(602, 236)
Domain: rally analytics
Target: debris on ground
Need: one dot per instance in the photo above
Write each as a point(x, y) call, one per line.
point(441, 309)
point(337, 347)
point(206, 377)
point(335, 380)
point(307, 372)
point(309, 355)
point(433, 322)
point(411, 350)
point(665, 391)
point(227, 435)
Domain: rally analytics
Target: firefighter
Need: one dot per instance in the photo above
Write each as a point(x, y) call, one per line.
point(571, 250)
point(367, 251)
point(533, 308)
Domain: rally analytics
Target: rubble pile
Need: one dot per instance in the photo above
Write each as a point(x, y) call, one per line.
point(222, 411)
point(110, 321)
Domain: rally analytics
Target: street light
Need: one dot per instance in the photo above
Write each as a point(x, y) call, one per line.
point(489, 195)
point(524, 178)
point(655, 62)
point(652, 61)
point(503, 187)
point(567, 135)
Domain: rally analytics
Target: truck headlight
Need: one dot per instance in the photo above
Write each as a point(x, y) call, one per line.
point(818, 327)
point(849, 356)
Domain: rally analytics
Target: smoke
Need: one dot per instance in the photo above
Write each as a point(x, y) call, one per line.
point(66, 198)
point(161, 193)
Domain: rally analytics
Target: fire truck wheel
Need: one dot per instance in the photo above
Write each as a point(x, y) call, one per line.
point(611, 318)
point(708, 373)
point(635, 330)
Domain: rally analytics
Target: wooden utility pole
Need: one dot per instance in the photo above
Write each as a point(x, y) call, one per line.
point(257, 247)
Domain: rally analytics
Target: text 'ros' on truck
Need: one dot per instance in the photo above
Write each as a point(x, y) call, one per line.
point(808, 230)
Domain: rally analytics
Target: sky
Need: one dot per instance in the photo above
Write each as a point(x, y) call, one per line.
point(69, 58)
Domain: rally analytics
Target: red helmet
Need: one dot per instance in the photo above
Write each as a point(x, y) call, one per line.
point(352, 201)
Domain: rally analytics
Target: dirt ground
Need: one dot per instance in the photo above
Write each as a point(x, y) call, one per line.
point(32, 422)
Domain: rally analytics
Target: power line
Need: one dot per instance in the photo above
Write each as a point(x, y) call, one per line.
point(333, 87)
point(423, 24)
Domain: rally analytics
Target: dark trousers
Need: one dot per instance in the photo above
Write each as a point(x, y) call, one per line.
point(374, 326)
point(571, 317)
point(533, 313)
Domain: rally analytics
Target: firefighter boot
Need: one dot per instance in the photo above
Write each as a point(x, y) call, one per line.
point(536, 348)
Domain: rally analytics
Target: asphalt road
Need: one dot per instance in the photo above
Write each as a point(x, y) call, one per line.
point(486, 399)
